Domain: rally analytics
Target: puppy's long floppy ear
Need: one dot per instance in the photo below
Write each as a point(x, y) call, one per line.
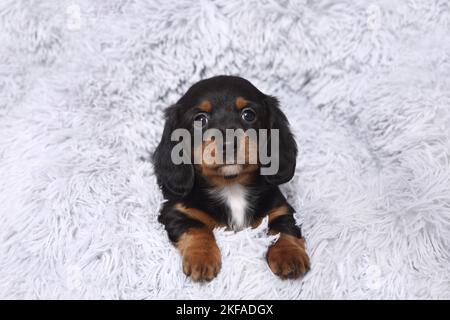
point(178, 179)
point(287, 154)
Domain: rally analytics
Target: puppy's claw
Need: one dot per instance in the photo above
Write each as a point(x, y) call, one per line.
point(202, 265)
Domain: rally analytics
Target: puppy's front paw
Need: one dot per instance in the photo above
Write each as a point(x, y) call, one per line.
point(287, 258)
point(202, 263)
point(200, 254)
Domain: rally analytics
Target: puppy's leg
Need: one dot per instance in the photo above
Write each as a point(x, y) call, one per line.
point(287, 257)
point(191, 232)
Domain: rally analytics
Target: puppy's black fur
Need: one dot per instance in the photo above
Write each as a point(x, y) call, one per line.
point(187, 186)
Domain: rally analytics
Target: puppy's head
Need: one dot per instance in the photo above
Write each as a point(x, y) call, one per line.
point(222, 105)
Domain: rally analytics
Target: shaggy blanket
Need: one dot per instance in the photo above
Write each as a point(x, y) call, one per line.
point(83, 84)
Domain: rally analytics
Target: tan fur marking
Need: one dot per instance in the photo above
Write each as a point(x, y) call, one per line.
point(197, 215)
point(287, 258)
point(240, 103)
point(200, 254)
point(212, 174)
point(217, 179)
point(205, 106)
point(278, 212)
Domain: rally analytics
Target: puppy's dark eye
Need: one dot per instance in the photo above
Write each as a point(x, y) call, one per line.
point(248, 115)
point(201, 120)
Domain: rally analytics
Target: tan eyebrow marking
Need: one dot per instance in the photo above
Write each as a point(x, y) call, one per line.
point(205, 106)
point(240, 103)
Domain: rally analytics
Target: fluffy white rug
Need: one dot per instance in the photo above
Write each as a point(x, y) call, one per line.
point(82, 88)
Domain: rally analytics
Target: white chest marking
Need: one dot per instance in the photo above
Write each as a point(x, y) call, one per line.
point(234, 196)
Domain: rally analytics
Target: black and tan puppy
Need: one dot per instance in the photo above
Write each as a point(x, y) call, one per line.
point(202, 196)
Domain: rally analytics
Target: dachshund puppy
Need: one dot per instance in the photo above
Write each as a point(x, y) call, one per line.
point(201, 196)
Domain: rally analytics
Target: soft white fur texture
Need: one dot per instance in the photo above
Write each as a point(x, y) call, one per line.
point(365, 85)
